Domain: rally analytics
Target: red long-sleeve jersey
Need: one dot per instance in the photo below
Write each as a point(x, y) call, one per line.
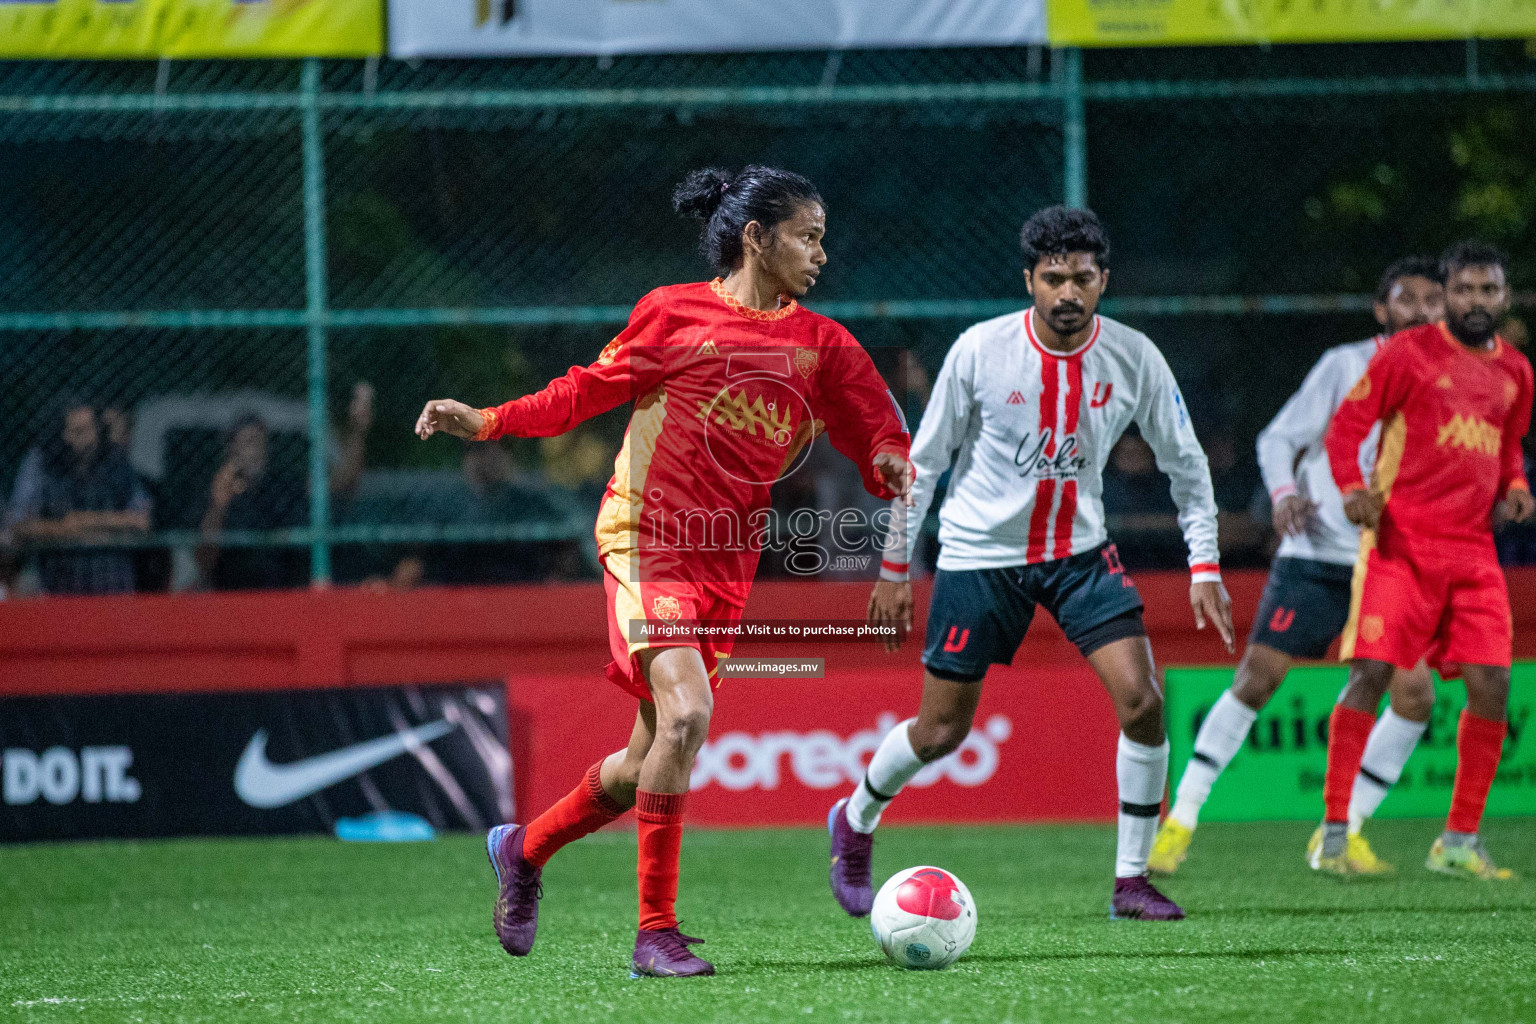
point(726, 400)
point(1452, 422)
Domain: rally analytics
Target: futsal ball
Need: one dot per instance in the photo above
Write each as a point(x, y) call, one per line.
point(924, 918)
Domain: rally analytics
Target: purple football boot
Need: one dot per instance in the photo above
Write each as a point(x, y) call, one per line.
point(516, 915)
point(1138, 899)
point(664, 953)
point(850, 862)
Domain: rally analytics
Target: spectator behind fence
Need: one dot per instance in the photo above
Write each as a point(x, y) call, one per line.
point(1242, 535)
point(75, 487)
point(1143, 516)
point(247, 493)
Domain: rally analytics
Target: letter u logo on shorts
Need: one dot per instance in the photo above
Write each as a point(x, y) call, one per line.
point(951, 644)
point(1281, 620)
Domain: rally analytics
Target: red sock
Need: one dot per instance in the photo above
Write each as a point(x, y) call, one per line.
point(1479, 743)
point(661, 843)
point(580, 812)
point(1348, 730)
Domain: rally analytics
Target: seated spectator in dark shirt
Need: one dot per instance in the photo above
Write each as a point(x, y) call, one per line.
point(1142, 517)
point(1242, 536)
point(1135, 491)
point(75, 487)
point(247, 493)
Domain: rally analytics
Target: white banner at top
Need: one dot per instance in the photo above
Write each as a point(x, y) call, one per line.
point(484, 28)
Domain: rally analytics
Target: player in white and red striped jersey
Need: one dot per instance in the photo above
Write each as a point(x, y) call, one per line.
point(1024, 414)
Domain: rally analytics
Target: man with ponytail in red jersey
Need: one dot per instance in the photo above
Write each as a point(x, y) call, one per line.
point(731, 381)
point(1454, 401)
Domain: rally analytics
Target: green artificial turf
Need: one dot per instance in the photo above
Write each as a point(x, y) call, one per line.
point(316, 930)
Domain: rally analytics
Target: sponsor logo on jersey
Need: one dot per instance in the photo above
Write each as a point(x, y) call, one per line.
point(1361, 390)
point(1101, 393)
point(1064, 464)
point(1470, 432)
point(805, 361)
point(757, 415)
point(1016, 398)
point(667, 608)
point(709, 349)
point(821, 759)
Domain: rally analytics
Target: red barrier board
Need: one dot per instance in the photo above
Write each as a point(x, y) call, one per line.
point(781, 751)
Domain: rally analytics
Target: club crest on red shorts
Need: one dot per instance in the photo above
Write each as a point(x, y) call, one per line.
point(667, 608)
point(1372, 628)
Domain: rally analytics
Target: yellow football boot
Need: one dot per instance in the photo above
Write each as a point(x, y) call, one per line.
point(1338, 864)
point(1470, 861)
point(1170, 847)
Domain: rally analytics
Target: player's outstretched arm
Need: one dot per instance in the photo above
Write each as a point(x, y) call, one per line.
point(449, 417)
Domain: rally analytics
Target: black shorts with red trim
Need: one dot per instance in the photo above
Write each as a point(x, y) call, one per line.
point(1304, 607)
point(978, 617)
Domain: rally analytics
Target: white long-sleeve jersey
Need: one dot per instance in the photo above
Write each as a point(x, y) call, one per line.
point(1029, 431)
point(1293, 459)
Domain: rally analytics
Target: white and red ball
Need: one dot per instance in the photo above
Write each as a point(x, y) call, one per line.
point(924, 918)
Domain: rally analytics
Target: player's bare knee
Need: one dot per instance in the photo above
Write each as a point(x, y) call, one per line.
point(945, 741)
point(1141, 715)
point(933, 740)
point(1255, 685)
point(684, 728)
point(1414, 699)
point(1368, 682)
point(1487, 691)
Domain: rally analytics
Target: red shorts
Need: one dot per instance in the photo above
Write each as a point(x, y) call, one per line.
point(659, 603)
point(1453, 610)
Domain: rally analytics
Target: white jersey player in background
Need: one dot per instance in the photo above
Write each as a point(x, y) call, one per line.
point(1026, 409)
point(1306, 599)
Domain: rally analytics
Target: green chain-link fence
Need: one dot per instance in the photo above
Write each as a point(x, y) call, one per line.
point(201, 246)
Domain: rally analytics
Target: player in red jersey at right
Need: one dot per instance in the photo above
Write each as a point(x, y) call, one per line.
point(1454, 401)
point(731, 380)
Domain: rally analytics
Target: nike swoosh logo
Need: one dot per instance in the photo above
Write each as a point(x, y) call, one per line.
point(263, 784)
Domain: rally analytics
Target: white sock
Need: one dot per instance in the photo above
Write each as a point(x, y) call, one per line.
point(1392, 739)
point(892, 767)
point(1142, 772)
point(1221, 736)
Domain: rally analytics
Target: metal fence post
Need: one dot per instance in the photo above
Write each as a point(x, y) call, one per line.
point(314, 318)
point(1074, 131)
